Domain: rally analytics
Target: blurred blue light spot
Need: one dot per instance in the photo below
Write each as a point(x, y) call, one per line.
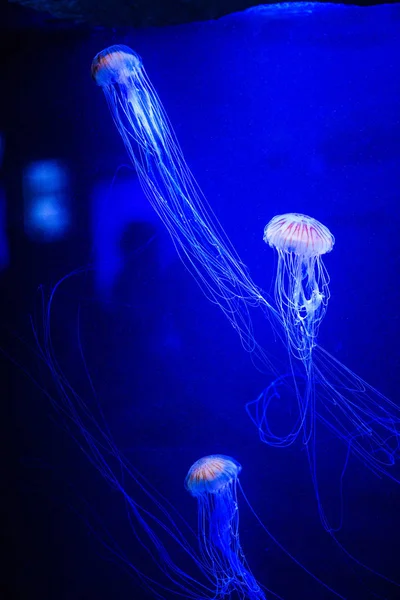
point(46, 194)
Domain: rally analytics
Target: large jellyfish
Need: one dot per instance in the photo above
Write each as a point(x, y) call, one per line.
point(213, 481)
point(172, 190)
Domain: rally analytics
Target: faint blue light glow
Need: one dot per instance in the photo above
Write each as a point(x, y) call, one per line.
point(46, 195)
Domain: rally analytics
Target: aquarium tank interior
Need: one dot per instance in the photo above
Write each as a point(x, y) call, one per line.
point(199, 270)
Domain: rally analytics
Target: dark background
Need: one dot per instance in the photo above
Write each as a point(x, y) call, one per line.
point(274, 114)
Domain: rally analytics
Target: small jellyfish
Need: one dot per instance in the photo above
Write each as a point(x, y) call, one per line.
point(213, 481)
point(302, 281)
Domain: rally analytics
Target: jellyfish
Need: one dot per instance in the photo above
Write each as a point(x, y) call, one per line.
point(327, 391)
point(172, 190)
point(302, 281)
point(212, 480)
point(301, 295)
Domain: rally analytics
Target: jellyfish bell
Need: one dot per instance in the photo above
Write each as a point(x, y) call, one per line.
point(298, 234)
point(211, 474)
point(115, 65)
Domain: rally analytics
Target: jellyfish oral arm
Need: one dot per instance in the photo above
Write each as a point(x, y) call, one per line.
point(301, 295)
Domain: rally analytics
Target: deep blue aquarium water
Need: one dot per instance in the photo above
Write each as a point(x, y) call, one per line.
point(124, 374)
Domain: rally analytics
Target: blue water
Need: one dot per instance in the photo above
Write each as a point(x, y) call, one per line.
point(276, 111)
